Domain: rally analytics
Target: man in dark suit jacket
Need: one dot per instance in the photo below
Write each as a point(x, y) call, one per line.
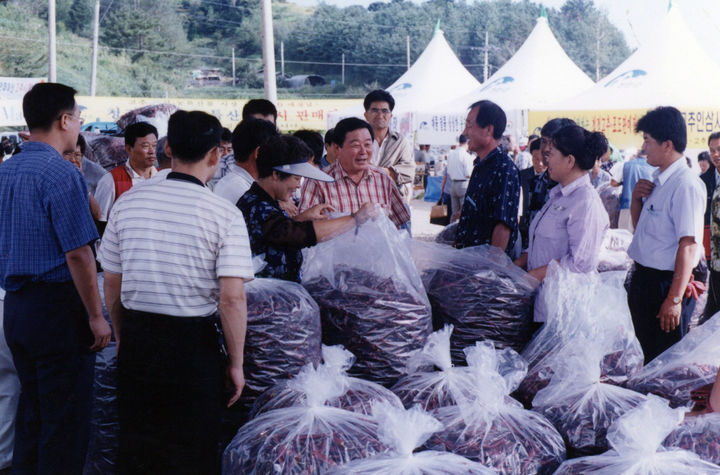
point(527, 183)
point(710, 176)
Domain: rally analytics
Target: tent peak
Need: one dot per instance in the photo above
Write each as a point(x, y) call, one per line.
point(437, 27)
point(669, 5)
point(543, 12)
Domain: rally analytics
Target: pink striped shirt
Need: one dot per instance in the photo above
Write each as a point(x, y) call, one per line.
point(346, 196)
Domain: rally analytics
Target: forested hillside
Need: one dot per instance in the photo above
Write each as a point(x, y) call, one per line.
point(150, 47)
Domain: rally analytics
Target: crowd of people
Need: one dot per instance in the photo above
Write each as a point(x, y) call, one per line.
point(179, 229)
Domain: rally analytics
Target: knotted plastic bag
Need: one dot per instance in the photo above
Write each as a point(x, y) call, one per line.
point(480, 292)
point(304, 439)
point(700, 435)
point(404, 431)
point(636, 440)
point(579, 405)
point(371, 298)
point(688, 364)
point(581, 306)
point(104, 425)
point(358, 395)
point(495, 430)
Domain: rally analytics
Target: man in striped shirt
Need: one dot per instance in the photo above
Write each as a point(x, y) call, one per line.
point(356, 181)
point(171, 250)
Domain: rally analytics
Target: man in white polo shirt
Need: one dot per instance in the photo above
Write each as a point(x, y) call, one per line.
point(668, 217)
point(174, 253)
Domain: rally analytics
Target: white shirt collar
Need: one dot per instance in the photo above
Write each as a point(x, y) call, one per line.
point(136, 176)
point(661, 177)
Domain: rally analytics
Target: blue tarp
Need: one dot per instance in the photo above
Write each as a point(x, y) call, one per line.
point(432, 190)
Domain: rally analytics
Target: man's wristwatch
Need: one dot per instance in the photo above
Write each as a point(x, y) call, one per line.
point(676, 300)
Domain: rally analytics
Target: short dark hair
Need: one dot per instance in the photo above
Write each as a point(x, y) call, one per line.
point(45, 102)
point(160, 155)
point(349, 124)
point(704, 156)
point(82, 144)
point(713, 136)
point(138, 130)
point(248, 135)
point(490, 113)
point(281, 150)
point(665, 123)
point(226, 135)
point(259, 106)
point(535, 144)
point(553, 125)
point(191, 135)
point(585, 146)
point(533, 137)
point(313, 140)
point(462, 139)
point(378, 95)
point(330, 137)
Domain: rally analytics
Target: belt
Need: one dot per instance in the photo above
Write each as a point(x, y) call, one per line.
point(467, 179)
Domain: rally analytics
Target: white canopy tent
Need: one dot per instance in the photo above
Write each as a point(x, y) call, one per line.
point(539, 73)
point(673, 69)
point(436, 76)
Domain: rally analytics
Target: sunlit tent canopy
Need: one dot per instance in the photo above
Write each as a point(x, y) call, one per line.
point(436, 76)
point(539, 73)
point(672, 68)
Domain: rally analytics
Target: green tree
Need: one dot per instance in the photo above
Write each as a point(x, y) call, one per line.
point(80, 18)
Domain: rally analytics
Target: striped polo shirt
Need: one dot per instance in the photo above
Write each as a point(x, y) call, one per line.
point(171, 241)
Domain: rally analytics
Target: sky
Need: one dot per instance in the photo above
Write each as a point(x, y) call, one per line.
point(635, 18)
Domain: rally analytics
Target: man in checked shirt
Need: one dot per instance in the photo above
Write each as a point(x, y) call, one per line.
point(356, 180)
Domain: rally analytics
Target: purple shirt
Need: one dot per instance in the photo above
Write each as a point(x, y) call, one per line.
point(569, 228)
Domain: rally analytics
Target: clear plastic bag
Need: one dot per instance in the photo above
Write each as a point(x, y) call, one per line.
point(635, 439)
point(451, 384)
point(283, 335)
point(581, 306)
point(495, 430)
point(480, 292)
point(688, 364)
point(580, 406)
point(700, 435)
point(613, 252)
point(371, 298)
point(306, 439)
point(404, 431)
point(358, 395)
point(104, 423)
point(447, 235)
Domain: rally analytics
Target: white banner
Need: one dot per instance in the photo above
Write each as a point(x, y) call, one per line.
point(11, 114)
point(15, 88)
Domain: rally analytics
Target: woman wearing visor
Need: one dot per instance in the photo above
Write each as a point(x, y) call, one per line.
point(281, 163)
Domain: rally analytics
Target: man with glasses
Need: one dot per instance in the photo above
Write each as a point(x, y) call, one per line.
point(140, 143)
point(391, 151)
point(53, 317)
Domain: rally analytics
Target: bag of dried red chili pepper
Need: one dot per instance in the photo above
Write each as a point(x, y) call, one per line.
point(700, 435)
point(371, 298)
point(590, 306)
point(434, 382)
point(358, 396)
point(305, 439)
point(404, 431)
point(480, 292)
point(579, 405)
point(104, 425)
point(636, 440)
point(283, 334)
point(688, 364)
point(447, 235)
point(493, 428)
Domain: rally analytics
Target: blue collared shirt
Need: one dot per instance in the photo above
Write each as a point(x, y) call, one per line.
point(44, 213)
point(492, 197)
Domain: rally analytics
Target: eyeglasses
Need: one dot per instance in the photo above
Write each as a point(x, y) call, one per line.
point(79, 119)
point(375, 110)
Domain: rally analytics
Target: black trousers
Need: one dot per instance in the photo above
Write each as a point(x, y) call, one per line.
point(171, 374)
point(46, 327)
point(647, 291)
point(713, 298)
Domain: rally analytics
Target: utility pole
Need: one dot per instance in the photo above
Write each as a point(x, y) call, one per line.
point(233, 65)
point(485, 65)
point(52, 70)
point(343, 68)
point(268, 52)
point(96, 34)
point(407, 49)
point(282, 59)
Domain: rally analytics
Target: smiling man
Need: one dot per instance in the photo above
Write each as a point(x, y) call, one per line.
point(140, 142)
point(490, 210)
point(357, 181)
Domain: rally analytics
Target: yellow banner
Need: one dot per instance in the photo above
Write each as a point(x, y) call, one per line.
point(619, 126)
point(293, 114)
